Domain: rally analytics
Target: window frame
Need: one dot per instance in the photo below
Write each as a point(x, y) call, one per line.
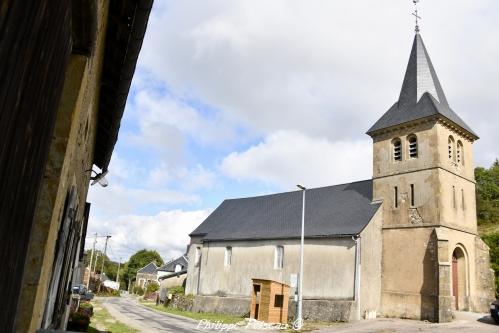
point(451, 148)
point(228, 256)
point(279, 250)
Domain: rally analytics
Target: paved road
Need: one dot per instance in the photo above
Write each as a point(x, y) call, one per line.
point(465, 322)
point(130, 312)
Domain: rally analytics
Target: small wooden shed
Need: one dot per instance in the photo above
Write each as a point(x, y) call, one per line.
point(269, 301)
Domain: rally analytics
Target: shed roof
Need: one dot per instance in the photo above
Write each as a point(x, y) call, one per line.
point(329, 211)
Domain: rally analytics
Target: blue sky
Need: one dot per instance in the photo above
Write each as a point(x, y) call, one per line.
point(248, 97)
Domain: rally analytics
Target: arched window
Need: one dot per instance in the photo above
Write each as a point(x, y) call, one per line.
point(397, 149)
point(413, 146)
point(459, 153)
point(451, 149)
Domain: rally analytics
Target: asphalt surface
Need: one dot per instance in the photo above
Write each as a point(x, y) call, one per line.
point(127, 310)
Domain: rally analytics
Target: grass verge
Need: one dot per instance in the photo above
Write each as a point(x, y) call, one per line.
point(226, 319)
point(102, 322)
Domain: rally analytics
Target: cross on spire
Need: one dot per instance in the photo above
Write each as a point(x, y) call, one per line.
point(416, 15)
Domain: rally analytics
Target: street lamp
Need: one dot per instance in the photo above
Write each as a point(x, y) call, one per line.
point(299, 318)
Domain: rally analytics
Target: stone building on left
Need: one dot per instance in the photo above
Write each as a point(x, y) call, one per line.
point(66, 69)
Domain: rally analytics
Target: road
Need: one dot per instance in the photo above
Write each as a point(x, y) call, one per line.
point(130, 312)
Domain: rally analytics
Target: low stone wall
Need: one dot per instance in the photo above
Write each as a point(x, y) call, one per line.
point(181, 302)
point(324, 310)
point(229, 305)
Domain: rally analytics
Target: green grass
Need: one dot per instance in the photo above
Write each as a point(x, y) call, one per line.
point(226, 319)
point(103, 320)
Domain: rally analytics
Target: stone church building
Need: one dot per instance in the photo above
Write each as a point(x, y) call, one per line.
point(403, 244)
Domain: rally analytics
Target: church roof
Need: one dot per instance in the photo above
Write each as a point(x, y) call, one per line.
point(421, 95)
point(330, 211)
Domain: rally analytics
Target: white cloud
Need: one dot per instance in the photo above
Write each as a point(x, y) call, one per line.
point(319, 65)
point(118, 199)
point(286, 158)
point(188, 179)
point(167, 232)
point(165, 118)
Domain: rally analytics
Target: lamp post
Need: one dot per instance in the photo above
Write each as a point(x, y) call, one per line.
point(299, 319)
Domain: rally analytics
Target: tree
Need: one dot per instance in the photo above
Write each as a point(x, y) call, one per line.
point(487, 198)
point(110, 267)
point(139, 260)
point(487, 188)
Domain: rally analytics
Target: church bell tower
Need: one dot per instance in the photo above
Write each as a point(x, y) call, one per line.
point(433, 260)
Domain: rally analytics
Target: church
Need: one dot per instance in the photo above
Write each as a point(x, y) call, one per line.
point(402, 244)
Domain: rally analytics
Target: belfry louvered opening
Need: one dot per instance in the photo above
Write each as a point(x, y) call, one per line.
point(397, 149)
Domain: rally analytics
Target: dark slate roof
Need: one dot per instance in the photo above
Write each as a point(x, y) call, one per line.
point(421, 95)
point(330, 211)
point(170, 266)
point(150, 268)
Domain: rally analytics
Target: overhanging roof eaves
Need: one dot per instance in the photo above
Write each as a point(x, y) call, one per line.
point(125, 32)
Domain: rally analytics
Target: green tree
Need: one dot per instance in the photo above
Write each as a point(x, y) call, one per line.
point(487, 199)
point(139, 260)
point(492, 241)
point(110, 267)
point(487, 189)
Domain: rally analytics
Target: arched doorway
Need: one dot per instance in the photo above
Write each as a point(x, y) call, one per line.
point(459, 278)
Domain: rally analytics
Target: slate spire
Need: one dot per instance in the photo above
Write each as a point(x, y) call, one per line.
point(421, 96)
point(420, 77)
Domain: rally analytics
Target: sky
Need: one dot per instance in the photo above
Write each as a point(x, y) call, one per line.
point(242, 98)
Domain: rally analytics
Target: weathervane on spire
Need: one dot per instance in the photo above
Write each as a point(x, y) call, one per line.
point(416, 14)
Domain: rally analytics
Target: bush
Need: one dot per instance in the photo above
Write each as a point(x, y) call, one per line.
point(152, 287)
point(80, 320)
point(176, 290)
point(138, 290)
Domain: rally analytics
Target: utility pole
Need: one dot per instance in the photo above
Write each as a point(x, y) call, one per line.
point(299, 317)
point(91, 259)
point(118, 274)
point(96, 259)
point(103, 259)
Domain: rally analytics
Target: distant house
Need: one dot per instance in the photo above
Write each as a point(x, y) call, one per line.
point(148, 273)
point(173, 273)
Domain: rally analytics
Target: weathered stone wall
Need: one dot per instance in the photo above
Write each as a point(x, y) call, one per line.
point(410, 283)
point(333, 258)
point(70, 156)
point(173, 281)
point(371, 248)
point(324, 310)
point(238, 306)
point(485, 278)
point(181, 302)
point(417, 280)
